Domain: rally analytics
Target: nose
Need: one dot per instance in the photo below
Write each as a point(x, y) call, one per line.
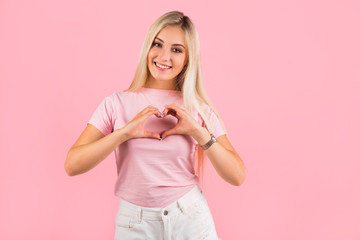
point(164, 55)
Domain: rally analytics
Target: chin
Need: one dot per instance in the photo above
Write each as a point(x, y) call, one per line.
point(162, 78)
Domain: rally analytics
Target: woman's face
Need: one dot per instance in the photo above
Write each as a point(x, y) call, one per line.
point(167, 55)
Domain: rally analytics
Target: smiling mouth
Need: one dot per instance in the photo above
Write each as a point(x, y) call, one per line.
point(162, 66)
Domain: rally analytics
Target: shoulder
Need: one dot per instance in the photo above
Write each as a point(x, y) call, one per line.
point(119, 96)
point(205, 108)
point(123, 99)
point(112, 101)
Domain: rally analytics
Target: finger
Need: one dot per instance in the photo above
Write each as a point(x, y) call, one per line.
point(145, 111)
point(175, 107)
point(150, 112)
point(165, 111)
point(159, 114)
point(168, 132)
point(148, 108)
point(151, 134)
point(142, 117)
point(172, 112)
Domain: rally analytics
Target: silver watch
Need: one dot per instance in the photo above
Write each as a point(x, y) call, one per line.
point(209, 143)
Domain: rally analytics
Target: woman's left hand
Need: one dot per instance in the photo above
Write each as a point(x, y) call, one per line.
point(186, 123)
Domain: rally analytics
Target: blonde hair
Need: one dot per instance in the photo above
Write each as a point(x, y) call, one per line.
point(189, 80)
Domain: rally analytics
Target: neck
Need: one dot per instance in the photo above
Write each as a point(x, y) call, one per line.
point(167, 85)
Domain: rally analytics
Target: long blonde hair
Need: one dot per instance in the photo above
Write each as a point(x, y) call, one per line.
point(189, 80)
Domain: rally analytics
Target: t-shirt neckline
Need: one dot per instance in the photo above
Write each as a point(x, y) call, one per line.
point(158, 91)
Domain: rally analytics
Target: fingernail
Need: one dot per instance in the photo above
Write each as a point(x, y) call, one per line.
point(161, 114)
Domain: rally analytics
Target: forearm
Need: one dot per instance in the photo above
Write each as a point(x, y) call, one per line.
point(82, 158)
point(227, 164)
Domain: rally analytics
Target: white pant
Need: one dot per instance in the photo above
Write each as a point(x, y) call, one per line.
point(187, 218)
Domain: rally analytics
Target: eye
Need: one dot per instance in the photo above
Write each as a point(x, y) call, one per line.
point(156, 44)
point(177, 50)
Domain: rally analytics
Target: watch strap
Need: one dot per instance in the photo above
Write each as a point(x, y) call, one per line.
point(209, 143)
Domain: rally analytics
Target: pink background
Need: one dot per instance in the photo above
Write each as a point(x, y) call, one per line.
point(284, 75)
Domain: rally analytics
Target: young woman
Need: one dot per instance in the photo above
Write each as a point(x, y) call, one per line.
point(158, 127)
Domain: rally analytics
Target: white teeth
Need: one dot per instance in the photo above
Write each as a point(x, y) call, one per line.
point(161, 66)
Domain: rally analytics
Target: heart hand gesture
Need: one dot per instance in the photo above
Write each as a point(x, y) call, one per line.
point(186, 123)
point(135, 128)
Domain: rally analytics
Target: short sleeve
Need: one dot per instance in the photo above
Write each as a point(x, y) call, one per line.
point(217, 128)
point(103, 116)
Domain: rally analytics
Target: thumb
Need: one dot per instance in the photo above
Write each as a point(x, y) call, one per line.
point(168, 132)
point(151, 134)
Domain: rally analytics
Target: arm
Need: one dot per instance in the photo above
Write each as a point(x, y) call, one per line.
point(92, 146)
point(223, 156)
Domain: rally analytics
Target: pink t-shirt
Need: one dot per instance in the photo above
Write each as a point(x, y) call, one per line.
point(151, 173)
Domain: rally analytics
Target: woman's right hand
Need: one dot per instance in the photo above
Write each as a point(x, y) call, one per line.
point(92, 146)
point(135, 128)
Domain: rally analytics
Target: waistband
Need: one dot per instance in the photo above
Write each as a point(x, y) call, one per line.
point(155, 214)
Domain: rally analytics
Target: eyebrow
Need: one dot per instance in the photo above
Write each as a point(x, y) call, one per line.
point(176, 44)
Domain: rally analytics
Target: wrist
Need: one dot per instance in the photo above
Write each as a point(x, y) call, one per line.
point(122, 134)
point(202, 136)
